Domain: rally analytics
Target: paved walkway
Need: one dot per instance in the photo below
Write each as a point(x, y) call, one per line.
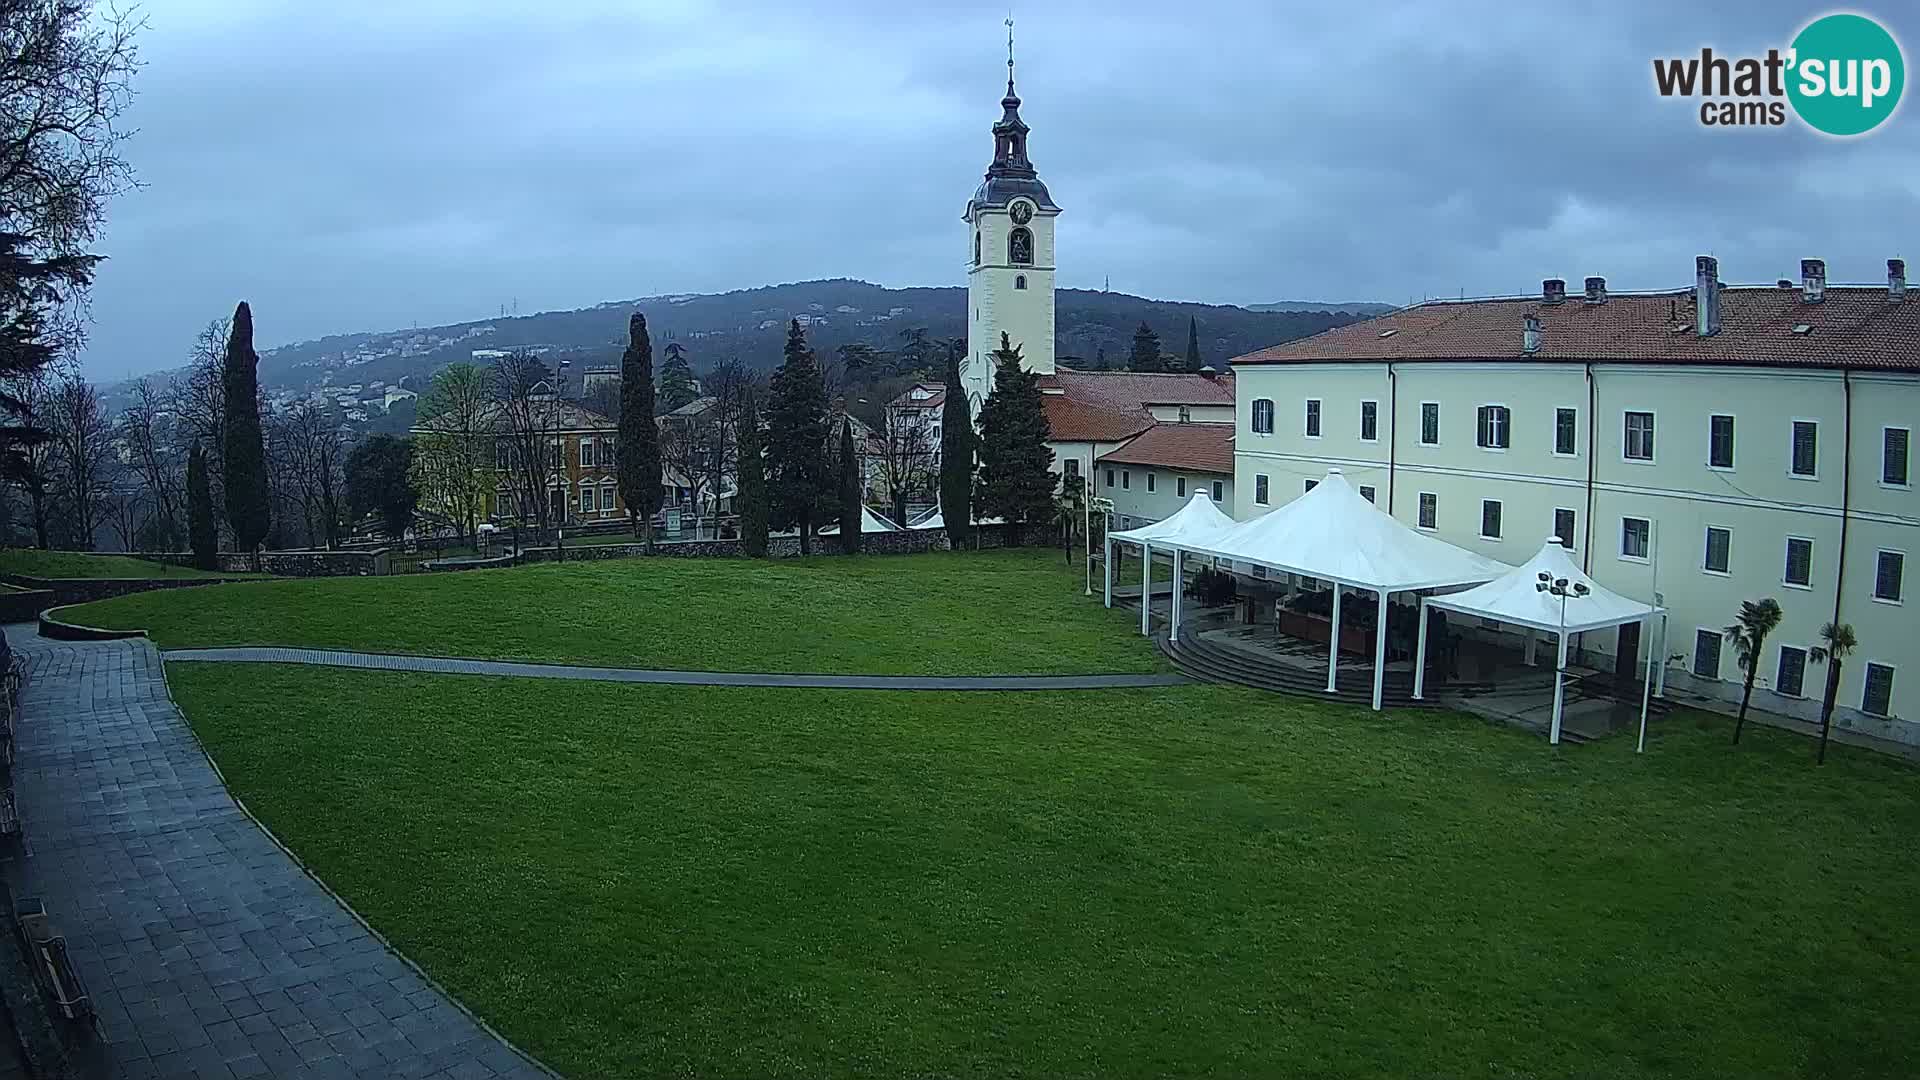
point(208, 951)
point(451, 666)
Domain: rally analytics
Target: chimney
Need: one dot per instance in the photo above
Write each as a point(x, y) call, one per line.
point(1706, 296)
point(1209, 373)
point(1530, 335)
point(1896, 280)
point(1553, 290)
point(1785, 283)
point(1596, 290)
point(1813, 280)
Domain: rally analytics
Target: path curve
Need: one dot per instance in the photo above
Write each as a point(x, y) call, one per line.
point(443, 665)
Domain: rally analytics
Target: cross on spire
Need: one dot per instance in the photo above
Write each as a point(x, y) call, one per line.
point(1009, 54)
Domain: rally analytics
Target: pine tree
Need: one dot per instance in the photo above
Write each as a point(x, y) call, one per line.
point(1016, 475)
point(850, 500)
point(203, 534)
point(1146, 351)
point(799, 476)
point(1194, 363)
point(750, 496)
point(676, 379)
point(248, 508)
point(956, 456)
point(638, 465)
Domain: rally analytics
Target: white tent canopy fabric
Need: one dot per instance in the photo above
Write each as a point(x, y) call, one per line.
point(1334, 532)
point(1196, 522)
point(870, 522)
point(1516, 598)
point(938, 520)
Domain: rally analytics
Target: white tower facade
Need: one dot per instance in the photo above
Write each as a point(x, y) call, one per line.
point(1010, 257)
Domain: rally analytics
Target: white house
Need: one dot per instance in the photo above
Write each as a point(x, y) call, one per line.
point(1705, 446)
point(1156, 472)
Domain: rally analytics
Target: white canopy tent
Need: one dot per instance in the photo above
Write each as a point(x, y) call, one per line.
point(1336, 534)
point(870, 522)
point(938, 520)
point(1548, 593)
point(1193, 523)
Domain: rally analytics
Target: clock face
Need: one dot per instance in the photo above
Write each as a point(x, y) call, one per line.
point(1022, 213)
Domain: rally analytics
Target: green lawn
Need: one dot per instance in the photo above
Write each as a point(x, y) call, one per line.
point(960, 614)
point(33, 562)
point(650, 881)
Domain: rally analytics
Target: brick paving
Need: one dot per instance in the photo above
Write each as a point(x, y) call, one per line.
point(209, 953)
point(454, 666)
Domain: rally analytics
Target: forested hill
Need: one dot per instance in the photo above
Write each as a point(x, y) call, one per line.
point(751, 324)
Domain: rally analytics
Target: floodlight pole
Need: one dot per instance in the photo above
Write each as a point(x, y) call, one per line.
point(1380, 653)
point(1146, 586)
point(1086, 514)
point(1173, 614)
point(1106, 569)
point(1420, 654)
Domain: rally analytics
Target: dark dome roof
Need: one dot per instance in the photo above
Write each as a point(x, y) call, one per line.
point(997, 191)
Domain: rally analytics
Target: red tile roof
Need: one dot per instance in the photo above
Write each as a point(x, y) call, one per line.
point(1071, 420)
point(1200, 447)
point(1135, 390)
point(1855, 326)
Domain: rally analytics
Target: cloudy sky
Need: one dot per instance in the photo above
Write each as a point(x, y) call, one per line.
point(367, 165)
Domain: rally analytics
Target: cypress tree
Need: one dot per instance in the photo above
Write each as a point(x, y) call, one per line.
point(799, 475)
point(750, 495)
point(850, 500)
point(202, 533)
point(638, 466)
point(956, 456)
point(248, 508)
point(1193, 345)
point(676, 379)
point(1146, 351)
point(1016, 476)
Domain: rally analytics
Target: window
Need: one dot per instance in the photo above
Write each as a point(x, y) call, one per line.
point(1072, 466)
point(1720, 442)
point(1149, 481)
point(606, 453)
point(586, 500)
point(1493, 427)
point(1313, 418)
point(976, 253)
point(1791, 679)
point(1219, 491)
point(1263, 416)
point(1180, 487)
point(1430, 423)
point(1799, 561)
point(1489, 519)
point(1429, 510)
point(1564, 424)
point(1020, 281)
point(556, 451)
point(1109, 477)
point(1370, 421)
point(1806, 448)
point(1719, 547)
point(1563, 527)
point(1887, 571)
point(1367, 492)
point(1310, 485)
point(1020, 246)
point(1186, 415)
point(1634, 535)
point(1706, 654)
point(1877, 698)
point(1126, 479)
point(1260, 488)
point(1893, 457)
point(1638, 444)
point(606, 497)
point(586, 453)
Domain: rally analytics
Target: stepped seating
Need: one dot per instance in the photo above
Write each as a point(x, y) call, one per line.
point(1210, 662)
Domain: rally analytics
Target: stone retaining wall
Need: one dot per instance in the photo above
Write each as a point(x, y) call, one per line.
point(59, 592)
point(24, 605)
point(905, 542)
point(294, 563)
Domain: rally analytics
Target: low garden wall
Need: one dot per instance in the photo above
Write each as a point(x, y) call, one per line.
point(23, 604)
point(904, 542)
point(316, 563)
point(59, 592)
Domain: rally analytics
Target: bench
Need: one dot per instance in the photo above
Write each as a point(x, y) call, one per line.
point(52, 967)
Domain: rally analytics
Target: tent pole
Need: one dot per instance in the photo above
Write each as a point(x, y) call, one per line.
point(1559, 689)
point(1420, 654)
point(1646, 689)
point(1660, 679)
point(1380, 654)
point(1106, 567)
point(1173, 620)
point(1333, 640)
point(1146, 586)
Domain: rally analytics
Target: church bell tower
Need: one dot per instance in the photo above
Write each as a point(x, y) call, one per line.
point(1010, 252)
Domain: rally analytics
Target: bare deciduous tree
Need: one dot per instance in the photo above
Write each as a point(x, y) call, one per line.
point(82, 458)
point(453, 452)
point(909, 458)
point(156, 461)
point(313, 459)
point(528, 435)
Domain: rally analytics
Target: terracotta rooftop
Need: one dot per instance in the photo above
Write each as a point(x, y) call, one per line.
point(1073, 420)
point(1200, 447)
point(1854, 326)
point(1133, 390)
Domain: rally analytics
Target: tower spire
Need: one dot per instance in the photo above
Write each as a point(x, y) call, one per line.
point(1010, 92)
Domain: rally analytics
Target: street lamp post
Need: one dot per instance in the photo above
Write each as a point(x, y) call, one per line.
point(1561, 588)
point(559, 435)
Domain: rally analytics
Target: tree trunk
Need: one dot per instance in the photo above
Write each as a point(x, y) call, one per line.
point(806, 535)
point(39, 500)
point(1826, 707)
point(1745, 697)
point(649, 533)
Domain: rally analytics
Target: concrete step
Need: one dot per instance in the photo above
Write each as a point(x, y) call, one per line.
point(1216, 664)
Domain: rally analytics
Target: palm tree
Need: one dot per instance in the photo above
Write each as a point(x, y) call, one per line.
point(1839, 644)
point(1748, 635)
